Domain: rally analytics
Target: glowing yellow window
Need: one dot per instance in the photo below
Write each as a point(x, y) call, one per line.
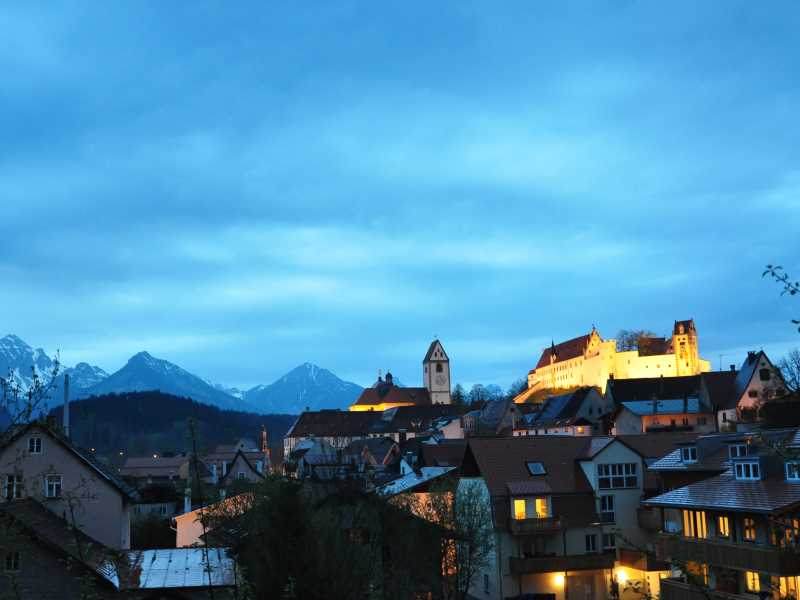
point(519, 509)
point(541, 508)
point(749, 532)
point(723, 527)
point(752, 581)
point(789, 586)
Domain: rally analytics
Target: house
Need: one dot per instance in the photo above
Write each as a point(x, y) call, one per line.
point(44, 557)
point(314, 458)
point(558, 504)
point(190, 530)
point(757, 381)
point(142, 471)
point(658, 415)
point(371, 454)
point(220, 461)
point(578, 412)
point(160, 501)
point(338, 428)
point(38, 461)
point(241, 469)
point(406, 422)
point(386, 394)
point(735, 534)
point(496, 418)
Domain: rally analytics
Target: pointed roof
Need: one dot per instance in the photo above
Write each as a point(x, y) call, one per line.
point(432, 348)
point(565, 350)
point(246, 462)
point(748, 371)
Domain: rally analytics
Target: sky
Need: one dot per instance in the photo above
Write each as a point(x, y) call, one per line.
point(243, 187)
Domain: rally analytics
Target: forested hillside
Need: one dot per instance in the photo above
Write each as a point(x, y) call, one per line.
point(142, 423)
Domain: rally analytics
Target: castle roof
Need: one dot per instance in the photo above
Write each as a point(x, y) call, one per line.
point(565, 350)
point(387, 393)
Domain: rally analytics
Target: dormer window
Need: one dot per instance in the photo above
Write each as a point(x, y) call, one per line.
point(737, 450)
point(35, 445)
point(689, 455)
point(531, 508)
point(747, 470)
point(536, 468)
point(793, 470)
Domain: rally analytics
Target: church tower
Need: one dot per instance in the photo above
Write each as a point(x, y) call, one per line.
point(436, 373)
point(685, 347)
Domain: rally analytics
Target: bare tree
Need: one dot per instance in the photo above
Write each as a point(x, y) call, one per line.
point(23, 404)
point(778, 273)
point(790, 369)
point(628, 339)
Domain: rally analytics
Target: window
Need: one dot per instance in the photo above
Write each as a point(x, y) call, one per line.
point(724, 417)
point(486, 583)
point(689, 455)
point(737, 450)
point(609, 541)
point(617, 475)
point(753, 393)
point(752, 581)
point(607, 509)
point(591, 543)
point(439, 367)
point(13, 487)
point(52, 486)
point(536, 468)
point(723, 526)
point(793, 471)
point(764, 374)
point(162, 509)
point(749, 530)
point(240, 475)
point(35, 445)
point(747, 470)
point(698, 572)
point(788, 586)
point(790, 530)
point(542, 511)
point(519, 508)
point(12, 561)
point(694, 524)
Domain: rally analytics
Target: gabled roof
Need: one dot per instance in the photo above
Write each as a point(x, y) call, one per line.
point(719, 386)
point(388, 393)
point(333, 423)
point(560, 410)
point(413, 418)
point(431, 348)
point(381, 449)
point(646, 388)
point(687, 406)
point(447, 453)
point(243, 456)
point(105, 472)
point(148, 466)
point(565, 350)
point(748, 371)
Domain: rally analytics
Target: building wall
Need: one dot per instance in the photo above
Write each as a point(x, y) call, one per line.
point(88, 499)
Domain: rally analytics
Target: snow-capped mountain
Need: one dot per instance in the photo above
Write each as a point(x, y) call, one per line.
point(305, 386)
point(18, 361)
point(144, 372)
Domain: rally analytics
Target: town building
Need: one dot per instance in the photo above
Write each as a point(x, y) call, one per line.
point(758, 381)
point(654, 416)
point(37, 461)
point(734, 534)
point(384, 394)
point(590, 360)
point(565, 514)
point(579, 412)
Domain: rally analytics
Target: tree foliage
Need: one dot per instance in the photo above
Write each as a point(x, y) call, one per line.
point(628, 339)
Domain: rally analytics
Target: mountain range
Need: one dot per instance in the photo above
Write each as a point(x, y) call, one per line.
point(306, 386)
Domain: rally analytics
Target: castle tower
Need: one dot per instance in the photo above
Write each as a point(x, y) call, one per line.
point(436, 373)
point(685, 347)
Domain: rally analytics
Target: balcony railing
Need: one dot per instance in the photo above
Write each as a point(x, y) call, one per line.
point(743, 555)
point(547, 564)
point(534, 526)
point(675, 589)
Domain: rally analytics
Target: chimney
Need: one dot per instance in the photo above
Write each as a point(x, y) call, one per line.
point(733, 368)
point(66, 404)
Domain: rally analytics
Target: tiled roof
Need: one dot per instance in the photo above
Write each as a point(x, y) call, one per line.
point(379, 448)
point(413, 480)
point(178, 568)
point(656, 445)
point(413, 418)
point(147, 466)
point(536, 486)
point(446, 453)
point(564, 351)
point(560, 408)
point(746, 373)
point(326, 423)
point(386, 393)
point(720, 389)
point(646, 388)
point(724, 492)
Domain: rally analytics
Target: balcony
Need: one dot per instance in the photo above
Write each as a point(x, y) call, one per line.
point(742, 556)
point(642, 561)
point(675, 589)
point(535, 526)
point(548, 564)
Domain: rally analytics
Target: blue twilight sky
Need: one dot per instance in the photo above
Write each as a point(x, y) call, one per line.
point(239, 188)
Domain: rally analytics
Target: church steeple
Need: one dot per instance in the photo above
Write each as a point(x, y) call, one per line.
point(436, 373)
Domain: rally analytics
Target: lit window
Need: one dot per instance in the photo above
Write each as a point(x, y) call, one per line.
point(519, 508)
point(737, 450)
point(13, 487)
point(694, 524)
point(747, 470)
point(788, 586)
point(752, 581)
point(689, 455)
point(35, 445)
point(749, 530)
point(607, 509)
point(591, 543)
point(698, 572)
point(542, 511)
point(793, 471)
point(12, 561)
point(52, 486)
point(723, 526)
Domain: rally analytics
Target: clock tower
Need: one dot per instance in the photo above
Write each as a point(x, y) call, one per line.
point(436, 373)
